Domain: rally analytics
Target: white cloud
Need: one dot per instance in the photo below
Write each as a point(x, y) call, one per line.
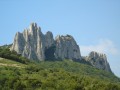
point(104, 46)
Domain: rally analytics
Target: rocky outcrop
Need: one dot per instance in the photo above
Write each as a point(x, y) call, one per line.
point(67, 48)
point(98, 60)
point(33, 44)
point(49, 41)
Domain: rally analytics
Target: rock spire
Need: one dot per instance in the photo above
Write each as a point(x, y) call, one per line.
point(33, 44)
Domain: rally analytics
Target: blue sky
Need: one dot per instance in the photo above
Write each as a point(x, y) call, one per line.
point(95, 24)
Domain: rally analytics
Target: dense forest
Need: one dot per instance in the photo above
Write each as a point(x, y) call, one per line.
point(19, 73)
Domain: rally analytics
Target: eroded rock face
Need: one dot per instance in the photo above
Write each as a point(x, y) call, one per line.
point(32, 42)
point(67, 48)
point(49, 39)
point(19, 43)
point(98, 60)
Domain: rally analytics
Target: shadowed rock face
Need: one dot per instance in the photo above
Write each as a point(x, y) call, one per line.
point(98, 60)
point(33, 44)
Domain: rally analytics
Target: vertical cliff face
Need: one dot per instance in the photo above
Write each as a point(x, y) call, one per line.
point(33, 44)
point(98, 60)
point(67, 48)
point(19, 43)
point(49, 41)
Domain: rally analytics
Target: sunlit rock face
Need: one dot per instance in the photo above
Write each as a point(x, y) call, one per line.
point(33, 44)
point(98, 60)
point(67, 48)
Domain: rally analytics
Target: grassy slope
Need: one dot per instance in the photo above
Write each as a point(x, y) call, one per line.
point(11, 63)
point(58, 75)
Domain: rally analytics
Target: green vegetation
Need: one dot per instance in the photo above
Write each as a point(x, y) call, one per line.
point(58, 75)
point(6, 53)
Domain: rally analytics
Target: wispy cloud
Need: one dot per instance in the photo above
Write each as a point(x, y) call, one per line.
point(103, 46)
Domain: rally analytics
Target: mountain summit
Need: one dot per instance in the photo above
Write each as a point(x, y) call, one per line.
point(35, 45)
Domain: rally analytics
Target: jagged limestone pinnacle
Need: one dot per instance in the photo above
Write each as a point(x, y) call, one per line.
point(98, 60)
point(33, 44)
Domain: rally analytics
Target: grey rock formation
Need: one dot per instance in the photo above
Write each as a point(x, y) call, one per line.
point(67, 48)
point(49, 39)
point(19, 42)
point(32, 42)
point(98, 60)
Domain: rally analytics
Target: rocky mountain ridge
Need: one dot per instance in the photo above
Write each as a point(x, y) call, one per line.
point(35, 45)
point(98, 60)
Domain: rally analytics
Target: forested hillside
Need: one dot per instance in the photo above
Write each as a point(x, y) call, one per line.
point(59, 75)
point(19, 73)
